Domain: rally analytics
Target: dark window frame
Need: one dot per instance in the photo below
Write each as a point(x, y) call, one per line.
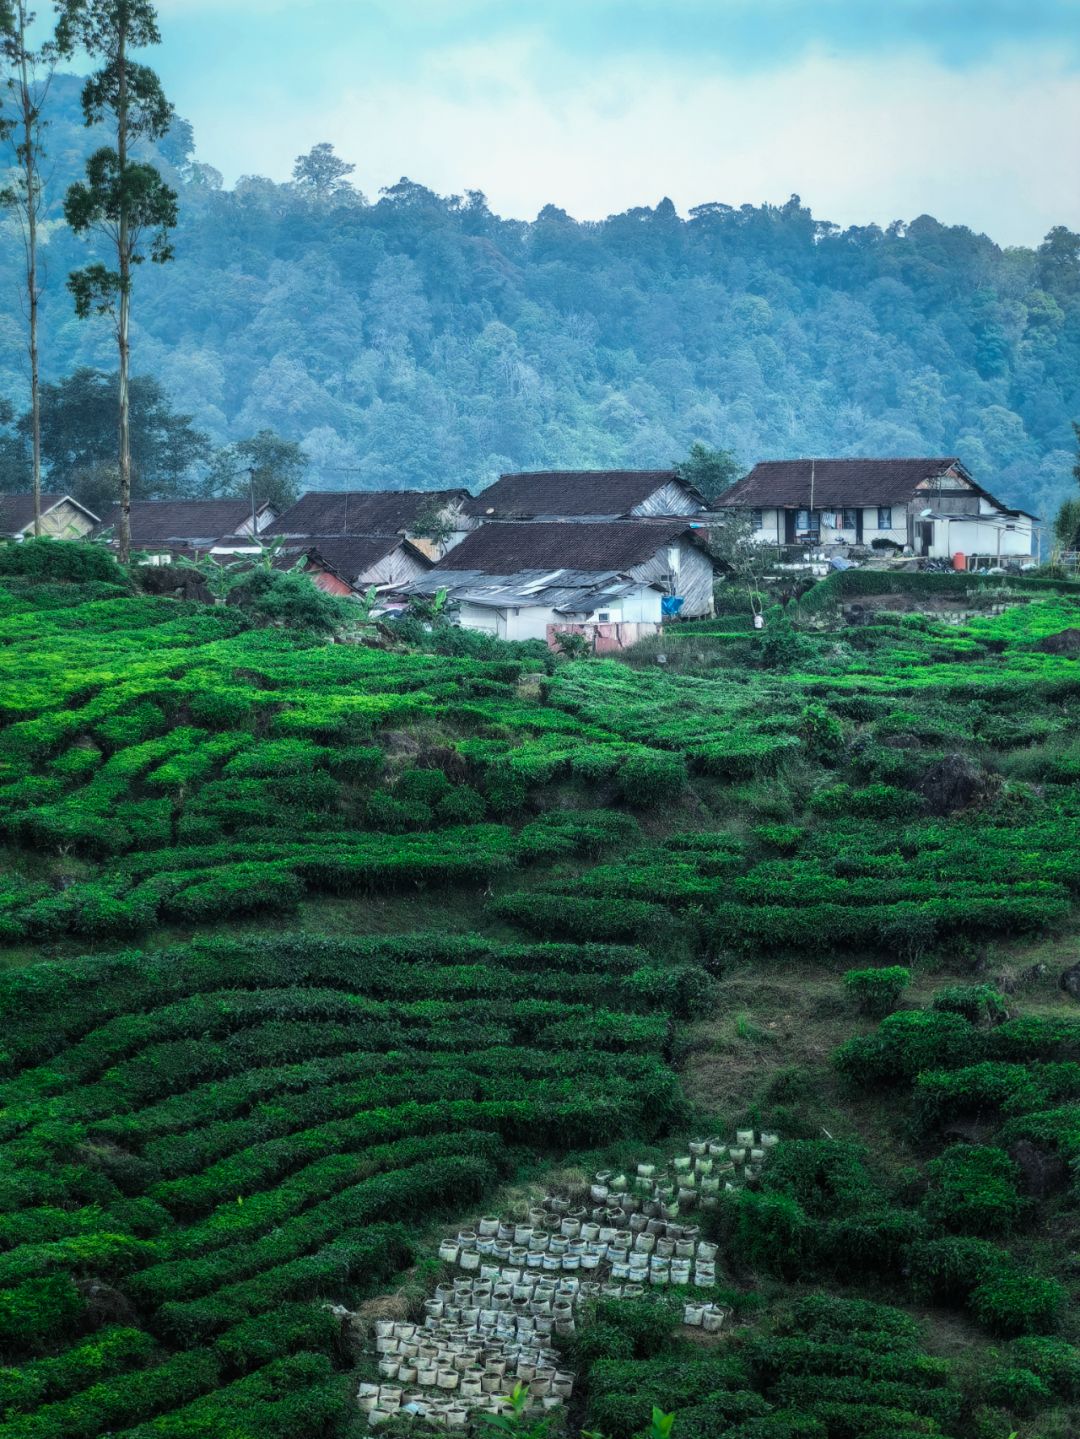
point(884, 517)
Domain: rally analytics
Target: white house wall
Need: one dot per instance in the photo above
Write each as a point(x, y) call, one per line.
point(641, 605)
point(969, 537)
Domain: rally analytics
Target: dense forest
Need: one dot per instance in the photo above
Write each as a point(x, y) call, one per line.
point(421, 339)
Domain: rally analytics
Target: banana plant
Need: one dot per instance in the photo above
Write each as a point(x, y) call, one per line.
point(220, 579)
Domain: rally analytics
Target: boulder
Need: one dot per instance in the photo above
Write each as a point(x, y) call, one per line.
point(1070, 981)
point(1042, 1173)
point(953, 783)
point(1065, 642)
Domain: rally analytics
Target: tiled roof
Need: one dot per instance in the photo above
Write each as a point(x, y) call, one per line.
point(505, 548)
point(569, 492)
point(786, 483)
point(169, 522)
point(360, 512)
point(351, 555)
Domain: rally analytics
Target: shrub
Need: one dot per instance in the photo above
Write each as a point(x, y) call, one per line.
point(974, 1190)
point(771, 1232)
point(877, 990)
point(945, 1271)
point(385, 812)
point(560, 915)
point(80, 561)
point(1056, 1361)
point(1018, 1390)
point(647, 778)
point(876, 801)
point(978, 1003)
point(38, 1311)
point(275, 597)
point(905, 1044)
point(1011, 1300)
point(463, 805)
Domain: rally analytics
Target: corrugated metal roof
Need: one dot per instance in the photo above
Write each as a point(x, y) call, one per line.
point(566, 590)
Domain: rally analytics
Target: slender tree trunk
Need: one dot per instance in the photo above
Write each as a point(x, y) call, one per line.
point(30, 180)
point(123, 319)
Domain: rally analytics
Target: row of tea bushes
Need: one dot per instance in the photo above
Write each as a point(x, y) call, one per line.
point(819, 1368)
point(856, 884)
point(200, 1144)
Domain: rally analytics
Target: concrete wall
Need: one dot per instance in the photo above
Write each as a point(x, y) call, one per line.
point(972, 537)
point(640, 606)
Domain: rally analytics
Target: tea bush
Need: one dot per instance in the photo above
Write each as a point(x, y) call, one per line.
point(877, 990)
point(226, 1133)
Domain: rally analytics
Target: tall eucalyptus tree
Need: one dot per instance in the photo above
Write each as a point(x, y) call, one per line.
point(124, 199)
point(27, 71)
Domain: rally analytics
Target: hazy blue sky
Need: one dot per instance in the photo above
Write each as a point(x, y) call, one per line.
point(870, 109)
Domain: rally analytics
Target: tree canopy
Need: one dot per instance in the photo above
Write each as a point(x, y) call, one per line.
point(422, 340)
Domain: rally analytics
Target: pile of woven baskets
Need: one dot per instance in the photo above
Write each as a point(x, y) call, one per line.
point(522, 1282)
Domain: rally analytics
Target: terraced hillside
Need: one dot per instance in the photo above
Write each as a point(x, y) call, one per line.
point(314, 946)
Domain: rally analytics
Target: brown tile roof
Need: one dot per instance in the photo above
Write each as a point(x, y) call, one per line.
point(611, 493)
point(359, 512)
point(178, 522)
point(350, 555)
point(786, 483)
point(17, 511)
point(610, 546)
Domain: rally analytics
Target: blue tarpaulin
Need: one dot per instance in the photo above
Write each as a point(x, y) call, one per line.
point(671, 604)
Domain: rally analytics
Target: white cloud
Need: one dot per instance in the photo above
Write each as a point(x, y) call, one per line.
point(861, 139)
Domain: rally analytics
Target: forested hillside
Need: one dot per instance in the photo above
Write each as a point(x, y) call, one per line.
point(421, 339)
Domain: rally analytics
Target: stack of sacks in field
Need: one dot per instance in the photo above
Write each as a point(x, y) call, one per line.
point(523, 1281)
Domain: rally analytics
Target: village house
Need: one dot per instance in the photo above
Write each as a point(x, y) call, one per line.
point(584, 495)
point(62, 518)
point(931, 507)
point(165, 528)
point(615, 581)
point(432, 520)
point(351, 564)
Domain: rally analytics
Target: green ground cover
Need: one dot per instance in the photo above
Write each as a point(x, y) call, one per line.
point(207, 1132)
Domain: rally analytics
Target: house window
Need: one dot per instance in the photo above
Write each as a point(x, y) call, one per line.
point(806, 522)
point(884, 517)
point(604, 617)
point(757, 519)
point(850, 519)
